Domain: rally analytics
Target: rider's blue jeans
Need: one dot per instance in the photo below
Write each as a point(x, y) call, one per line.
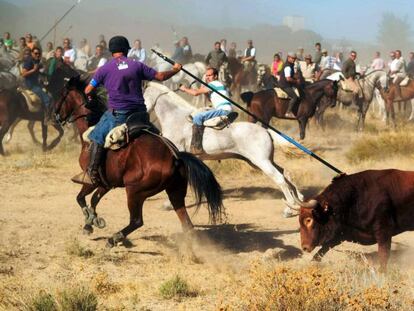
point(200, 117)
point(108, 121)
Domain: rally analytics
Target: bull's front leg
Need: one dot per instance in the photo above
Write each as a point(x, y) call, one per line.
point(384, 249)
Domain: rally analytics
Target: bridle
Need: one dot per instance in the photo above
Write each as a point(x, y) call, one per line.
point(69, 118)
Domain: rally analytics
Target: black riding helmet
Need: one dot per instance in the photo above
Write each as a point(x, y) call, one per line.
point(119, 44)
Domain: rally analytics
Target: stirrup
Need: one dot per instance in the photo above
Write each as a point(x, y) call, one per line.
point(82, 178)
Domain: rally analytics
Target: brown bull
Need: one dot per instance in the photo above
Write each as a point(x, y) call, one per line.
point(367, 208)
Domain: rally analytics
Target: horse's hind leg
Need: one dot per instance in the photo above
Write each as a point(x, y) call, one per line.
point(176, 192)
point(5, 125)
point(135, 202)
point(30, 127)
point(44, 136)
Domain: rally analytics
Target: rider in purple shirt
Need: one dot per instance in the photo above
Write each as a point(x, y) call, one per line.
point(122, 77)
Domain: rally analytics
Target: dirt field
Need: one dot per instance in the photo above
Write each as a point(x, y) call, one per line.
point(42, 248)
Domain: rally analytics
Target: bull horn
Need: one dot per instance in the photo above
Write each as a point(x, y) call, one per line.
point(311, 204)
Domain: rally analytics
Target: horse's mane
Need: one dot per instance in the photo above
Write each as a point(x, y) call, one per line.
point(316, 83)
point(178, 100)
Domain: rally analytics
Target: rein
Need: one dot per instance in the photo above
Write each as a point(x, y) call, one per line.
point(69, 118)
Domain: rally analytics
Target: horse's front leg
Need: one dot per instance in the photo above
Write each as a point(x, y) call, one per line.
point(54, 143)
point(88, 212)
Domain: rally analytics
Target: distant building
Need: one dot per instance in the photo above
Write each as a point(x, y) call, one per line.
point(294, 22)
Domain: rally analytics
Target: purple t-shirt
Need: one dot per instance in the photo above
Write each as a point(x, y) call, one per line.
point(122, 78)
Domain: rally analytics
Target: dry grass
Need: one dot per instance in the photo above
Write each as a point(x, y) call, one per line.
point(177, 288)
point(74, 248)
point(349, 285)
point(382, 146)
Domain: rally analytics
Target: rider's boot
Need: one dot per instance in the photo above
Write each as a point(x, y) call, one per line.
point(197, 140)
point(289, 113)
point(96, 155)
point(397, 91)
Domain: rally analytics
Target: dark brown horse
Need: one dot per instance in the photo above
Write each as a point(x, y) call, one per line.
point(266, 104)
point(240, 77)
point(390, 96)
point(13, 107)
point(145, 167)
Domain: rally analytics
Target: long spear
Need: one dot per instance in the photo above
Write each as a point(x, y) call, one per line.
point(59, 20)
point(288, 138)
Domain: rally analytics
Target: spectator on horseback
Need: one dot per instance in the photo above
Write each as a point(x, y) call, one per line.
point(410, 65)
point(223, 46)
point(221, 107)
point(350, 73)
point(377, 62)
point(29, 41)
point(277, 65)
point(288, 81)
point(397, 72)
point(56, 61)
point(96, 61)
point(8, 42)
point(22, 48)
point(48, 52)
point(318, 54)
point(30, 73)
point(69, 54)
point(232, 53)
point(249, 57)
point(216, 57)
point(308, 69)
point(187, 51)
point(137, 52)
point(122, 78)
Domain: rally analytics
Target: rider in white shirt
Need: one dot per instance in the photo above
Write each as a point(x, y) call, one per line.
point(137, 52)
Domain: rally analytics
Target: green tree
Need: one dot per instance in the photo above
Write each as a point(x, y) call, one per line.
point(394, 32)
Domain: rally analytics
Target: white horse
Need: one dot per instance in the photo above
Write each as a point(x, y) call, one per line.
point(241, 140)
point(198, 69)
point(369, 83)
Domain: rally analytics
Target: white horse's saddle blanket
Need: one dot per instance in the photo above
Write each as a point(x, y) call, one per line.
point(34, 103)
point(405, 81)
point(219, 123)
point(282, 94)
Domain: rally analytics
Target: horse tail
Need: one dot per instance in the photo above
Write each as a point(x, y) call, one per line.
point(286, 147)
point(204, 185)
point(247, 97)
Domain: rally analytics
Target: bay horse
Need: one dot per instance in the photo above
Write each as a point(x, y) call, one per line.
point(145, 167)
point(13, 107)
point(390, 96)
point(240, 77)
point(266, 104)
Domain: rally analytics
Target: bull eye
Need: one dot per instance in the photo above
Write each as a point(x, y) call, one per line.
point(308, 221)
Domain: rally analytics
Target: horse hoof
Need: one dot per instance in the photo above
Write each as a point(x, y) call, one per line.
point(110, 243)
point(99, 222)
point(87, 229)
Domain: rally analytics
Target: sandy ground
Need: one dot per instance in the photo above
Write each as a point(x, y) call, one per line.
point(40, 220)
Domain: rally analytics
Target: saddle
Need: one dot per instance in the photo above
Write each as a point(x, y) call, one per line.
point(136, 124)
point(405, 81)
point(34, 103)
point(217, 123)
point(282, 94)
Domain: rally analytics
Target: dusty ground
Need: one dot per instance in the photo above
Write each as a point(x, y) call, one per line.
point(40, 222)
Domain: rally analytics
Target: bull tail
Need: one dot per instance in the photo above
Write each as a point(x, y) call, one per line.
point(247, 97)
point(204, 185)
